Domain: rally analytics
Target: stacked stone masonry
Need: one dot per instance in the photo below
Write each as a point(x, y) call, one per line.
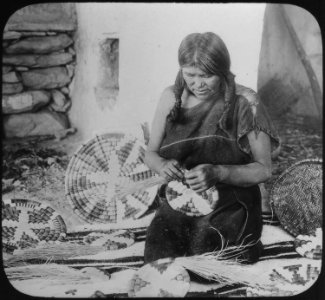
point(37, 73)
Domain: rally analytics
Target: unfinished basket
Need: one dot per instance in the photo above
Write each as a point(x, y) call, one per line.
point(99, 169)
point(296, 197)
point(161, 278)
point(185, 200)
point(27, 223)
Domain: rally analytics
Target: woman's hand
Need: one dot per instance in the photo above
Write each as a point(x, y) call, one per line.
point(171, 170)
point(202, 177)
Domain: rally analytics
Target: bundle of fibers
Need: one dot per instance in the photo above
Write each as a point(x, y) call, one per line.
point(50, 274)
point(222, 266)
point(168, 277)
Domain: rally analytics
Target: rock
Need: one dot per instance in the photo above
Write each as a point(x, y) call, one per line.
point(41, 45)
point(60, 102)
point(43, 122)
point(6, 69)
point(11, 35)
point(71, 51)
point(38, 61)
point(49, 78)
point(70, 69)
point(27, 101)
point(11, 88)
point(61, 134)
point(65, 90)
point(64, 108)
point(10, 77)
point(21, 69)
point(58, 98)
point(4, 44)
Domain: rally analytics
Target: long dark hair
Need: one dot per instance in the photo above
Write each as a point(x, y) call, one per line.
point(208, 52)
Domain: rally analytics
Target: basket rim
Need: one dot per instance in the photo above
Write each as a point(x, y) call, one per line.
point(272, 196)
point(288, 170)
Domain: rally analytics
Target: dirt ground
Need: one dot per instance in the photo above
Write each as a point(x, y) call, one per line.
point(35, 168)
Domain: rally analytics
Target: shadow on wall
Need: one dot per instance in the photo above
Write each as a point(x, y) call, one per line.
point(107, 89)
point(289, 81)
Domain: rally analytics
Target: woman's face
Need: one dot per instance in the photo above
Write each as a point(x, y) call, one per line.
point(200, 83)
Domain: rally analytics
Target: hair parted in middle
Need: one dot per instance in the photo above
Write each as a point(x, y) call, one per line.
point(208, 52)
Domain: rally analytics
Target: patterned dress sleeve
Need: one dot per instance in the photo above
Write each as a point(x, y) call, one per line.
point(252, 116)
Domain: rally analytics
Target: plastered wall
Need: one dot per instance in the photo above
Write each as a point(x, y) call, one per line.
point(149, 36)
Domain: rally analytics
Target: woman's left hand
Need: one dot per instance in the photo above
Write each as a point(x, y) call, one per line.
point(202, 177)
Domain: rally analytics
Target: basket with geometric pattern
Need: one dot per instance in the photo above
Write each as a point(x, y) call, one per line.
point(185, 200)
point(119, 239)
point(296, 197)
point(102, 167)
point(27, 223)
point(310, 246)
point(161, 278)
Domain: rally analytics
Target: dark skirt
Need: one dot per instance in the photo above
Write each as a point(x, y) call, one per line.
point(236, 220)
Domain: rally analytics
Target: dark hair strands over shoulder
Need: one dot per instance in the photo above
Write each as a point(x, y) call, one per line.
point(208, 52)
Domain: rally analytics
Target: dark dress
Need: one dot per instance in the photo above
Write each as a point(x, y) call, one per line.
point(212, 133)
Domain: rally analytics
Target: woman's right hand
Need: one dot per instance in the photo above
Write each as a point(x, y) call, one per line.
point(171, 170)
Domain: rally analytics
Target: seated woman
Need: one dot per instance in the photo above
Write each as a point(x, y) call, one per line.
point(222, 136)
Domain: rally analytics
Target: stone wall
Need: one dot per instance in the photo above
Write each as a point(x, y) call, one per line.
point(38, 70)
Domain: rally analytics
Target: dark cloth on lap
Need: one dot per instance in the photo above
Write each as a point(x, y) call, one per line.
point(237, 218)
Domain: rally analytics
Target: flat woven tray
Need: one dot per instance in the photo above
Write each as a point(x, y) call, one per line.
point(27, 223)
point(99, 169)
point(296, 197)
point(185, 200)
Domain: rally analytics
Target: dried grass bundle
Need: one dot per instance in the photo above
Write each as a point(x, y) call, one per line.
point(53, 273)
point(224, 267)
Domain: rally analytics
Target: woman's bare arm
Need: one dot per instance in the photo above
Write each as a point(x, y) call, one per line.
point(204, 176)
point(169, 169)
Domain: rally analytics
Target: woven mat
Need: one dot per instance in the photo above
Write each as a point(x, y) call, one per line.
point(296, 197)
point(99, 169)
point(159, 279)
point(278, 256)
